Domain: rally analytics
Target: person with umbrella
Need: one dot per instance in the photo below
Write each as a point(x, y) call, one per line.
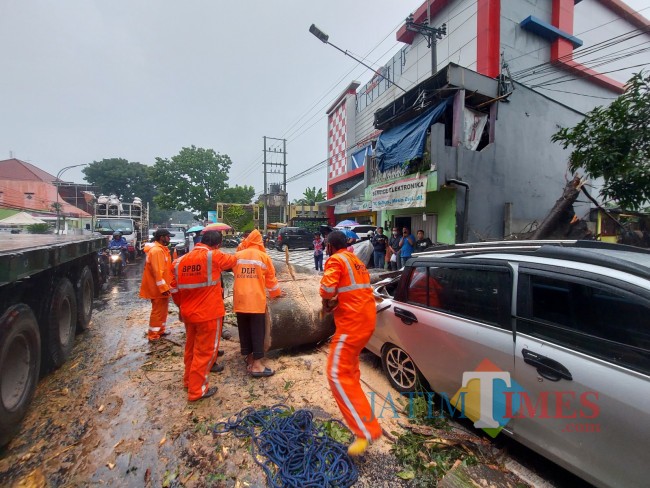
point(197, 290)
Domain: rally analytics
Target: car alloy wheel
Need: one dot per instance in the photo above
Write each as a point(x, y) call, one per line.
point(400, 369)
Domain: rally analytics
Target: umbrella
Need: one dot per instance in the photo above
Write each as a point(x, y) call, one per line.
point(196, 228)
point(216, 226)
point(349, 234)
point(347, 223)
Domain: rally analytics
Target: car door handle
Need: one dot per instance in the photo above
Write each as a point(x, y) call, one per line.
point(407, 317)
point(546, 367)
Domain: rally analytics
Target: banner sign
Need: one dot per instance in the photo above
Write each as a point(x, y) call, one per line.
point(406, 193)
point(473, 125)
point(212, 216)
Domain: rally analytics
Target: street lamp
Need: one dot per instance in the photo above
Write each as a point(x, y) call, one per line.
point(324, 38)
point(58, 209)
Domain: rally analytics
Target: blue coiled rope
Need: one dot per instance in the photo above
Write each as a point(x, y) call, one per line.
point(299, 454)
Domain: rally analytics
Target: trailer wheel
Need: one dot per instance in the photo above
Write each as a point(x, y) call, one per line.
point(20, 362)
point(61, 323)
point(85, 295)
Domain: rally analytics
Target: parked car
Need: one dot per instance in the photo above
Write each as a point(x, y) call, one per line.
point(562, 330)
point(294, 238)
point(360, 230)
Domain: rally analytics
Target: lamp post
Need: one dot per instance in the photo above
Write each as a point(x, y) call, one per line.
point(324, 38)
point(58, 209)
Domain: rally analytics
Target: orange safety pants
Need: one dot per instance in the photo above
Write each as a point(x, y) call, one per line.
point(158, 318)
point(201, 348)
point(344, 378)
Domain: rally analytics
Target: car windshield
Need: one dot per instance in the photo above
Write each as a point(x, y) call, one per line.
point(108, 226)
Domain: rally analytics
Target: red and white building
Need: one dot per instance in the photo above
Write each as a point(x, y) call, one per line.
point(575, 53)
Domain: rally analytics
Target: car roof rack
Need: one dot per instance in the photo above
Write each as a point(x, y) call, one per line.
point(534, 244)
point(577, 250)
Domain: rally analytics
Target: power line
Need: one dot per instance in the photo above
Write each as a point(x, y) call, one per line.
point(578, 34)
point(590, 75)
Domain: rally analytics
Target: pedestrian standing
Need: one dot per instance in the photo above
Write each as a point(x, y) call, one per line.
point(406, 244)
point(198, 292)
point(421, 243)
point(254, 275)
point(379, 244)
point(346, 291)
point(156, 283)
point(318, 252)
point(394, 246)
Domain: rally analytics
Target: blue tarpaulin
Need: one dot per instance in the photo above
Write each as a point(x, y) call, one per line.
point(406, 141)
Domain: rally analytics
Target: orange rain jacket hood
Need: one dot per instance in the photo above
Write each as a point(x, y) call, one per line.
point(254, 272)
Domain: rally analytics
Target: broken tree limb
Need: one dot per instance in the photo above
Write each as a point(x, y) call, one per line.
point(559, 210)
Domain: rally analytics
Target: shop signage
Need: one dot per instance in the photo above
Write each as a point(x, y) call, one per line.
point(406, 193)
point(349, 206)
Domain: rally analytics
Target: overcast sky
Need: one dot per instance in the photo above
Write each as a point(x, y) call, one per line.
point(83, 80)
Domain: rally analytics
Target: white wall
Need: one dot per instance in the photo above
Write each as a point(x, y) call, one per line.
point(458, 46)
point(524, 50)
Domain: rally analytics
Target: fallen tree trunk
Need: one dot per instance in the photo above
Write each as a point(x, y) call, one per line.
point(561, 212)
point(296, 319)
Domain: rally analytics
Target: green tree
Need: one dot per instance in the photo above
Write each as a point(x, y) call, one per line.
point(613, 143)
point(310, 196)
point(38, 228)
point(123, 178)
point(237, 194)
point(237, 217)
point(192, 180)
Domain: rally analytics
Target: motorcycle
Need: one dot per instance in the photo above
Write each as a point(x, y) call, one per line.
point(231, 241)
point(117, 262)
point(103, 265)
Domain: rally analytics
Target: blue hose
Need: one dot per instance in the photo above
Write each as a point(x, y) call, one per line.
point(299, 454)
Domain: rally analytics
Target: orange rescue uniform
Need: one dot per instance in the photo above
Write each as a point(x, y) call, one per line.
point(254, 273)
point(156, 280)
point(347, 278)
point(196, 289)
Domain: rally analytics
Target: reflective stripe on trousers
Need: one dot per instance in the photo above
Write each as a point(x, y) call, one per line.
point(201, 348)
point(344, 375)
point(158, 317)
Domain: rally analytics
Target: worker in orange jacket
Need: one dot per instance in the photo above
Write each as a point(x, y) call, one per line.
point(156, 284)
point(346, 291)
point(254, 275)
point(196, 289)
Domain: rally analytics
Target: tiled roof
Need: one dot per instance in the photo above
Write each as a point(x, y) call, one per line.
point(15, 169)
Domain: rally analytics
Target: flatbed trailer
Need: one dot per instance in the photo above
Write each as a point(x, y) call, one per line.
point(47, 287)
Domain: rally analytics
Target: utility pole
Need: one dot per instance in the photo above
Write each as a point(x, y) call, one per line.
point(432, 35)
point(266, 200)
point(280, 167)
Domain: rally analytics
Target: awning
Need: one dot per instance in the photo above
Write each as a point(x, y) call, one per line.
point(21, 218)
point(406, 141)
point(355, 191)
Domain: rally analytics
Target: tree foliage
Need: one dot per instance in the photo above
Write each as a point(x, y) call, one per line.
point(194, 179)
point(237, 217)
point(310, 196)
point(123, 178)
point(613, 143)
point(237, 194)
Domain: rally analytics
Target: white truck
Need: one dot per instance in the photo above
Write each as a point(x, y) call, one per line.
point(131, 219)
